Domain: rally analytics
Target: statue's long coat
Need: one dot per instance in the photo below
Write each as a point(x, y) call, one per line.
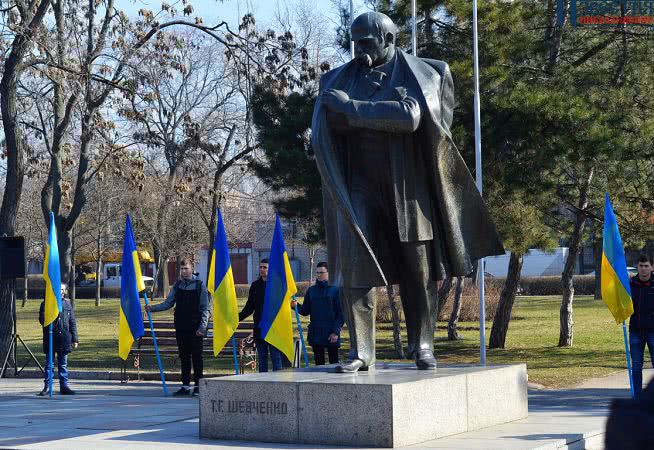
point(428, 175)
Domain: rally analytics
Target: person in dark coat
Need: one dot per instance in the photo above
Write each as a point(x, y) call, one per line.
point(254, 305)
point(322, 303)
point(64, 340)
point(641, 324)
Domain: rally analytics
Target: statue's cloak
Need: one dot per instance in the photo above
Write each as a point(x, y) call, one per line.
point(428, 174)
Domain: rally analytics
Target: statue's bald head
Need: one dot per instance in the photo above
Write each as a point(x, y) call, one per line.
point(373, 34)
point(372, 24)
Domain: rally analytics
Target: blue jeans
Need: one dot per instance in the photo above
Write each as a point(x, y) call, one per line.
point(637, 343)
point(263, 348)
point(62, 365)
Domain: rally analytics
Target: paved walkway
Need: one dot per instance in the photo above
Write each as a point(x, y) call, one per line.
point(108, 415)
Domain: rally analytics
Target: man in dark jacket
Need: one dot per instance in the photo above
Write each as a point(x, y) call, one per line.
point(64, 340)
point(641, 324)
point(254, 305)
point(191, 301)
point(322, 303)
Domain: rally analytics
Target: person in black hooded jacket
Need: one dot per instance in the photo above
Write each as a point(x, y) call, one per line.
point(64, 340)
point(641, 324)
point(254, 305)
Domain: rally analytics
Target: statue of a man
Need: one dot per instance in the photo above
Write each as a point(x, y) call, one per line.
point(400, 204)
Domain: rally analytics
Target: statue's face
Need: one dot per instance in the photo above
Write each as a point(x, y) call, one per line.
point(370, 51)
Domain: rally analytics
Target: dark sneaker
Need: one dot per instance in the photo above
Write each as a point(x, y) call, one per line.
point(44, 392)
point(182, 392)
point(196, 390)
point(65, 390)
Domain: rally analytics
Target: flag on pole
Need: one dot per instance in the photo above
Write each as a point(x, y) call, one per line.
point(616, 292)
point(276, 324)
point(52, 276)
point(221, 286)
point(130, 326)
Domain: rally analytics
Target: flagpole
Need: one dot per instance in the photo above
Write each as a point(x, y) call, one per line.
point(477, 114)
point(51, 366)
point(626, 352)
point(234, 353)
point(351, 19)
point(299, 328)
point(414, 32)
point(156, 347)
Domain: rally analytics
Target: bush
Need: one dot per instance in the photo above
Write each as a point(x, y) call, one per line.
point(551, 285)
point(469, 302)
point(383, 313)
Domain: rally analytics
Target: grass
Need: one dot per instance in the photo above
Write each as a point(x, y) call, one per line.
point(532, 338)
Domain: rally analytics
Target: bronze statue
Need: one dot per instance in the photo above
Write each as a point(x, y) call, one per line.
point(400, 205)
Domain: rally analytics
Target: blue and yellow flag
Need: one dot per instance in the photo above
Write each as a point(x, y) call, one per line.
point(52, 276)
point(130, 326)
point(222, 288)
point(276, 325)
point(616, 292)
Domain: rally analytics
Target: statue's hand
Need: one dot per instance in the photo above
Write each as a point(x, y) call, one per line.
point(335, 100)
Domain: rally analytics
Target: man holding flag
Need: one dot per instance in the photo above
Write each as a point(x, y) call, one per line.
point(254, 305)
point(55, 327)
point(641, 324)
point(189, 296)
point(276, 325)
point(64, 340)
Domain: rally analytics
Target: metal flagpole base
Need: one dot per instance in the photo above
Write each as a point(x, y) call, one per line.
point(12, 347)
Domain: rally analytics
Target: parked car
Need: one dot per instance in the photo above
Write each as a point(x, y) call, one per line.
point(630, 269)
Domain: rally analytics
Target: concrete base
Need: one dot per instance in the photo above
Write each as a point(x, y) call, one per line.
point(396, 405)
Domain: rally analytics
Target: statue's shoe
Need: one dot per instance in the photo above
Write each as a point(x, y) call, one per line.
point(425, 360)
point(354, 366)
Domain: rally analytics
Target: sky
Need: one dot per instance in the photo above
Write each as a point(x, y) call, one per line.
point(231, 11)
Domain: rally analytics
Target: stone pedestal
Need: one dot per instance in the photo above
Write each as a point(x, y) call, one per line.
point(396, 405)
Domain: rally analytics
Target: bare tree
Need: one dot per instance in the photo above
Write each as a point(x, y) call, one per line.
point(452, 332)
point(23, 22)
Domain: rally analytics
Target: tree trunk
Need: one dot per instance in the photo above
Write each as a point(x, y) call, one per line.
point(65, 244)
point(442, 296)
point(565, 315)
point(312, 263)
point(395, 316)
point(217, 195)
point(71, 277)
point(162, 272)
point(505, 306)
point(98, 275)
point(597, 258)
point(25, 284)
point(474, 277)
point(452, 333)
point(554, 33)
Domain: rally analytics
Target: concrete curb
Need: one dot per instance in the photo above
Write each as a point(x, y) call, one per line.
point(106, 375)
point(589, 440)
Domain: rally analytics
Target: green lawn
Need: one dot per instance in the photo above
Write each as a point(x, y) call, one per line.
point(533, 334)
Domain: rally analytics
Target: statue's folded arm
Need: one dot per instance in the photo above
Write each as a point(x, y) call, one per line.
point(390, 116)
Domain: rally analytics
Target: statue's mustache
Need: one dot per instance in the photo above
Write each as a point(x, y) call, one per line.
point(364, 59)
